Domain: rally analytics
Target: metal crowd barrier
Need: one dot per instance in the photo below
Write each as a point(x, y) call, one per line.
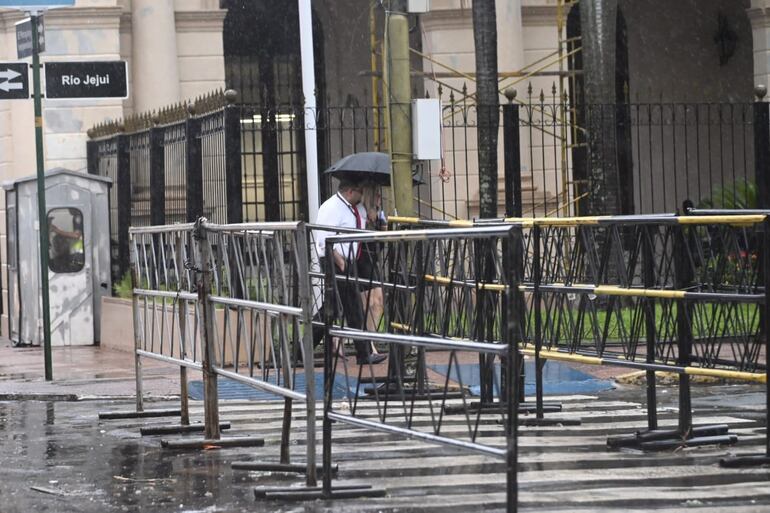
point(165, 313)
point(412, 404)
point(682, 294)
point(259, 280)
point(231, 301)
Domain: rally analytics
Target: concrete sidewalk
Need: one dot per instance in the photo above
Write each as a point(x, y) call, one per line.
point(79, 372)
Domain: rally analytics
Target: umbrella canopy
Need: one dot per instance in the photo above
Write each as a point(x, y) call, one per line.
point(369, 166)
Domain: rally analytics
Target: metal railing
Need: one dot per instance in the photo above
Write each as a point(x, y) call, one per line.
point(681, 294)
point(231, 301)
point(400, 402)
point(660, 293)
point(170, 167)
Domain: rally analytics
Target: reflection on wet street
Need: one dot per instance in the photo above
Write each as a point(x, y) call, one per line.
point(58, 457)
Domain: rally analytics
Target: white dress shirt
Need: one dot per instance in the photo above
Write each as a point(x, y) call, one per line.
point(338, 212)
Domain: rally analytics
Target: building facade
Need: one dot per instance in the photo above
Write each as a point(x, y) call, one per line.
point(689, 51)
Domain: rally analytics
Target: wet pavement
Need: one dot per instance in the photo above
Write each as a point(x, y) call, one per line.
point(57, 456)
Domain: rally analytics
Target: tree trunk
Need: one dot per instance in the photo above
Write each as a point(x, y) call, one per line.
point(487, 103)
point(485, 40)
point(598, 31)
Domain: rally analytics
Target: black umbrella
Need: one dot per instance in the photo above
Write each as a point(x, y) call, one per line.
point(369, 166)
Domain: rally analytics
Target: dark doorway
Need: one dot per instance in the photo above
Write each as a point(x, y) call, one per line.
point(262, 62)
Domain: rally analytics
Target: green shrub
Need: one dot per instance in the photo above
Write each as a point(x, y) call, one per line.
point(123, 288)
point(741, 194)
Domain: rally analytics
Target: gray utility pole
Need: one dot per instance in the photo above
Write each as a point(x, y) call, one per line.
point(398, 95)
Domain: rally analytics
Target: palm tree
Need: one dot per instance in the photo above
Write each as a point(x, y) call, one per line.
point(598, 24)
point(487, 103)
point(485, 40)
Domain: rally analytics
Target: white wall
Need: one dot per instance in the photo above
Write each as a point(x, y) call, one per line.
point(96, 30)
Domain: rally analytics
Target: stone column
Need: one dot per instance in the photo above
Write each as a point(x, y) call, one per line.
point(510, 44)
point(155, 68)
point(759, 15)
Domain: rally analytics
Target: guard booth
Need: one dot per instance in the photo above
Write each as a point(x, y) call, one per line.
point(78, 257)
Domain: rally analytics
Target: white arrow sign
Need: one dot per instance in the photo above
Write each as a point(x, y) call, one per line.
point(13, 80)
point(9, 74)
point(7, 86)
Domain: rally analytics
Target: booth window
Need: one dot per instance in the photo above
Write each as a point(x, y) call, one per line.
point(65, 232)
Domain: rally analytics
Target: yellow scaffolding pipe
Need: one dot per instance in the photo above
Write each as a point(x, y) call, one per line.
point(375, 85)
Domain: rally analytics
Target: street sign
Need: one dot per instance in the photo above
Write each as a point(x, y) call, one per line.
point(31, 5)
point(87, 79)
point(24, 37)
point(14, 81)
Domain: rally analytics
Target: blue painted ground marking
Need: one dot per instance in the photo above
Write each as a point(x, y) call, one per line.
point(558, 378)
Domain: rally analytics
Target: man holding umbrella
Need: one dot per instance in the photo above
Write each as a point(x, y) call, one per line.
point(345, 210)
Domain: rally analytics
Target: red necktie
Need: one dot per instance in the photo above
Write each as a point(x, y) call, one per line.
point(358, 225)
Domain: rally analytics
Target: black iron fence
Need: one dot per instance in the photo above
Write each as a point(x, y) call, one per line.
point(634, 158)
point(169, 167)
point(234, 163)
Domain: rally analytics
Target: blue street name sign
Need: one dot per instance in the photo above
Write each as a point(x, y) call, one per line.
point(37, 4)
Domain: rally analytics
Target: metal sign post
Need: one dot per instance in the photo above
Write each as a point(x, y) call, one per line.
point(41, 207)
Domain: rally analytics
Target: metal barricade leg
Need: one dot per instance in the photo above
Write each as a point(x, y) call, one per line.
point(685, 435)
point(540, 407)
point(211, 424)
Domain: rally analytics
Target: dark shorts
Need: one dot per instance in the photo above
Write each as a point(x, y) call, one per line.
point(368, 271)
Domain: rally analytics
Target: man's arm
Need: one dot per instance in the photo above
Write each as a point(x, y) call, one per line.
point(326, 217)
